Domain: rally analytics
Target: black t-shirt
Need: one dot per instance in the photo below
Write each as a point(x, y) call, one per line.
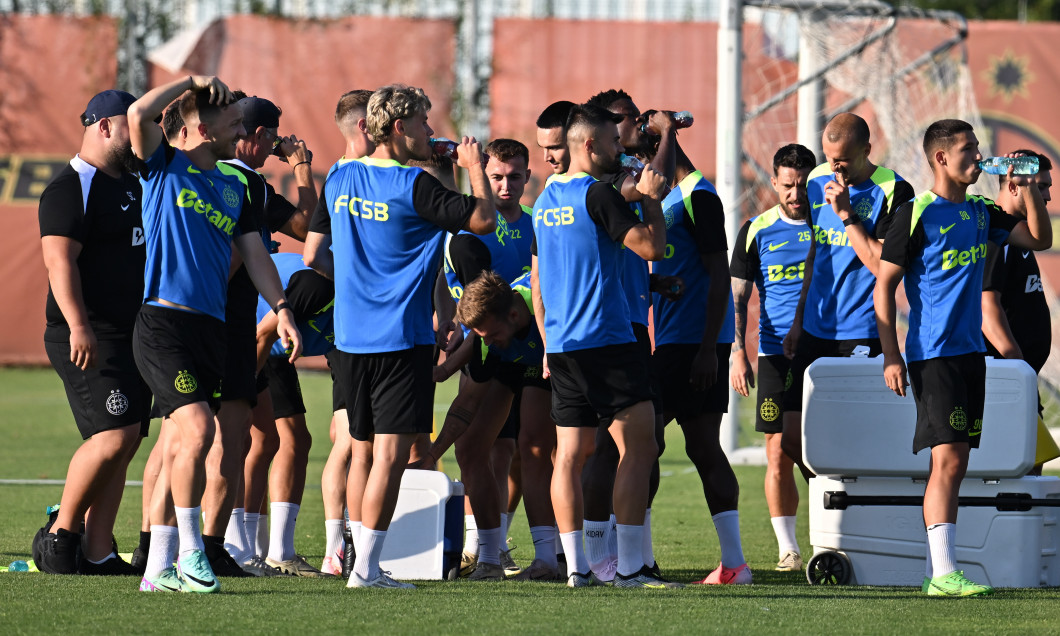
point(1014, 273)
point(308, 294)
point(432, 201)
point(242, 306)
point(708, 227)
point(607, 209)
point(469, 257)
point(103, 215)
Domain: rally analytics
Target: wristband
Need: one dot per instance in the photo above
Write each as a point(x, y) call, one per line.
point(280, 306)
point(300, 163)
point(851, 220)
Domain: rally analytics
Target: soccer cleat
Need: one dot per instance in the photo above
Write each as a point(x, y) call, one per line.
point(382, 581)
point(256, 566)
point(955, 584)
point(467, 563)
point(297, 566)
point(561, 559)
point(926, 585)
point(195, 573)
point(727, 576)
point(332, 565)
point(165, 581)
point(643, 579)
point(60, 552)
point(656, 573)
point(507, 562)
point(113, 566)
point(139, 560)
point(790, 562)
point(538, 571)
point(576, 579)
point(486, 572)
point(606, 571)
point(222, 563)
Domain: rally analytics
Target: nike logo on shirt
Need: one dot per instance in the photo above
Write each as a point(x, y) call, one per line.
point(192, 170)
point(776, 247)
point(949, 227)
point(818, 205)
point(125, 207)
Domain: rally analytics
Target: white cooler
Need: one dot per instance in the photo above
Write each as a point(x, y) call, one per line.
point(427, 531)
point(866, 523)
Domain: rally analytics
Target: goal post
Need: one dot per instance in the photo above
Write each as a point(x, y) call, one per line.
point(785, 67)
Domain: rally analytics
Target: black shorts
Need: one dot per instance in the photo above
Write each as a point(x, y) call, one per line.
point(811, 348)
point(773, 380)
point(644, 345)
point(387, 393)
point(107, 396)
point(949, 394)
point(241, 359)
point(510, 430)
point(338, 394)
point(180, 355)
point(673, 365)
point(284, 388)
point(590, 386)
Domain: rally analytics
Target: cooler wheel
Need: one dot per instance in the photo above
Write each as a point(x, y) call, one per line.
point(828, 568)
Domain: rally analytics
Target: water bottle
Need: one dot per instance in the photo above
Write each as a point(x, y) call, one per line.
point(18, 566)
point(631, 166)
point(682, 119)
point(449, 148)
point(999, 165)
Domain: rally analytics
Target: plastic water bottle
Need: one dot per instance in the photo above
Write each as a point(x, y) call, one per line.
point(18, 566)
point(682, 119)
point(449, 148)
point(999, 165)
point(632, 166)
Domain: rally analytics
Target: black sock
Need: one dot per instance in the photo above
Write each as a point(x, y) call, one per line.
point(145, 542)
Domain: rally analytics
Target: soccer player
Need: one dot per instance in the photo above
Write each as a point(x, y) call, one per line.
point(637, 284)
point(770, 254)
point(552, 135)
point(1016, 320)
point(386, 222)
point(834, 315)
point(598, 376)
point(937, 242)
point(351, 119)
point(93, 243)
point(192, 215)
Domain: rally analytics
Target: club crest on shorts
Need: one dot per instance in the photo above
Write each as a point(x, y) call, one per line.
point(769, 411)
point(958, 420)
point(117, 403)
point(230, 197)
point(185, 382)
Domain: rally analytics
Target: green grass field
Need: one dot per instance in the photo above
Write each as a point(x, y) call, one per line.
point(37, 437)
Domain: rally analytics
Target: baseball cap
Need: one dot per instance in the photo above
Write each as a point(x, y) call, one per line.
point(106, 104)
point(258, 111)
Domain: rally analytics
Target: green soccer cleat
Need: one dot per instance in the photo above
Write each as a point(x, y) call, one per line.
point(954, 584)
point(165, 581)
point(196, 574)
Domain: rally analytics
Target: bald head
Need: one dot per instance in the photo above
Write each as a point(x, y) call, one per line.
point(847, 127)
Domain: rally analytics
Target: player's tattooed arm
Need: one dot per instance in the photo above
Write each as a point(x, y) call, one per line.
point(741, 374)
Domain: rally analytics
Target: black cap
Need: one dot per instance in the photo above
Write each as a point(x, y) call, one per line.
point(258, 111)
point(106, 104)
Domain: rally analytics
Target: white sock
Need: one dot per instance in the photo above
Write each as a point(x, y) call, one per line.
point(235, 536)
point(250, 529)
point(612, 539)
point(262, 540)
point(784, 528)
point(281, 537)
point(489, 545)
point(647, 553)
point(333, 537)
point(929, 571)
point(506, 524)
point(165, 540)
point(470, 535)
point(369, 547)
point(572, 547)
point(596, 552)
point(942, 538)
point(355, 532)
point(545, 544)
point(188, 525)
point(727, 525)
point(630, 548)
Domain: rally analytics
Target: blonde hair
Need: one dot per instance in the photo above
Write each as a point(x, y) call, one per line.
point(488, 295)
point(391, 103)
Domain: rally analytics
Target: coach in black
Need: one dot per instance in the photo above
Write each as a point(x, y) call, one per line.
point(93, 243)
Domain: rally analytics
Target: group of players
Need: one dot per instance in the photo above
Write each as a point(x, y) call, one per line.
point(544, 311)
